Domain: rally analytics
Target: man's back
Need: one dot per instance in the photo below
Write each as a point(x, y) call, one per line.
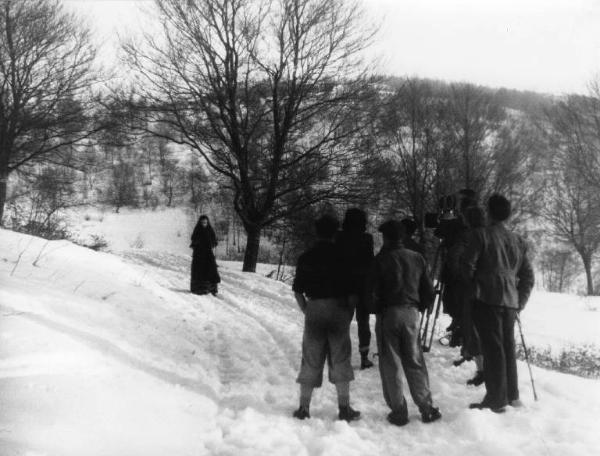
point(320, 272)
point(400, 278)
point(496, 259)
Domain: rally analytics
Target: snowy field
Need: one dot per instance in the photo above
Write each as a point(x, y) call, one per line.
point(105, 354)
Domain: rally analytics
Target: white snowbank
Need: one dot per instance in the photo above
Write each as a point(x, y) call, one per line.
point(167, 229)
point(107, 355)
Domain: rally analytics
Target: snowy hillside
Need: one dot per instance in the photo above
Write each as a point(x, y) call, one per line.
point(110, 355)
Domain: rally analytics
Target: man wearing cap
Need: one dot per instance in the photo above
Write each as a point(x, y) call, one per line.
point(398, 287)
point(321, 294)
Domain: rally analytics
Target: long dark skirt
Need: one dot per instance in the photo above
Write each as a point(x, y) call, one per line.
point(205, 276)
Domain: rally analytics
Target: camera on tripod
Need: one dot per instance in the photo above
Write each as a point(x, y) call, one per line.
point(445, 221)
point(448, 227)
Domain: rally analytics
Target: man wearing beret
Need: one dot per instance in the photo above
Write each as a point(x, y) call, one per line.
point(398, 287)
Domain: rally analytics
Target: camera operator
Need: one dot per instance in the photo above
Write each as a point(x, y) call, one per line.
point(474, 217)
point(452, 228)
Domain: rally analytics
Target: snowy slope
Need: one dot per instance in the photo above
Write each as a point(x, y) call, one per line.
point(107, 355)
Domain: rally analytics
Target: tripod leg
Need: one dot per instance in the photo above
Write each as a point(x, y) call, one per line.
point(435, 318)
point(423, 335)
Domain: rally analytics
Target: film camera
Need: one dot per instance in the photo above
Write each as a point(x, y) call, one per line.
point(446, 222)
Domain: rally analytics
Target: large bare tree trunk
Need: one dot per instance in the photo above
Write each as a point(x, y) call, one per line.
point(252, 249)
point(587, 264)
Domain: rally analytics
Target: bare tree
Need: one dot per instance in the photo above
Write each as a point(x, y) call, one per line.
point(558, 269)
point(576, 121)
point(122, 189)
point(48, 192)
point(573, 207)
point(265, 91)
point(517, 166)
point(408, 137)
point(573, 210)
point(45, 62)
point(471, 121)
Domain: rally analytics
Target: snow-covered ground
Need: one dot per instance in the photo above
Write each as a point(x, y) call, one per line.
point(110, 355)
point(164, 229)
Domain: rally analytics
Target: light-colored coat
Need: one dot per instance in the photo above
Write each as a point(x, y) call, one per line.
point(495, 259)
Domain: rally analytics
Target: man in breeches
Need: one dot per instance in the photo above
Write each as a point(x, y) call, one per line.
point(321, 294)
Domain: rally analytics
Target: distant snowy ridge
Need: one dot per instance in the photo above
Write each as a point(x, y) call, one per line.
point(110, 355)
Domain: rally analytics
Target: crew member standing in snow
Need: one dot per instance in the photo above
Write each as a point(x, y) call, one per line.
point(398, 287)
point(356, 246)
point(474, 217)
point(496, 260)
point(205, 276)
point(321, 293)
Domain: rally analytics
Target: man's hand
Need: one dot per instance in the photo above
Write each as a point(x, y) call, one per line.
point(301, 300)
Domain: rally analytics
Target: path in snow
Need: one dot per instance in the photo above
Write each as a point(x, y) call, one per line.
point(102, 355)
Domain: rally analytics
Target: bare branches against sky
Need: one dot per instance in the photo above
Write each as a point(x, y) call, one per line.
point(542, 45)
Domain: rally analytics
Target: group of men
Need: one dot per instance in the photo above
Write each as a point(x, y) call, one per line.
point(340, 275)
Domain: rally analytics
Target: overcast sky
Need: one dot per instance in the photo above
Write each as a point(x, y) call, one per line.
point(543, 45)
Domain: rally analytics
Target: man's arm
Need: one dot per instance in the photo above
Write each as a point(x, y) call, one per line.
point(426, 291)
point(299, 284)
point(525, 280)
point(470, 255)
point(301, 300)
point(373, 288)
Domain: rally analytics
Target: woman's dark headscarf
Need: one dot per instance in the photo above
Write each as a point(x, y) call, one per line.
point(355, 220)
point(204, 235)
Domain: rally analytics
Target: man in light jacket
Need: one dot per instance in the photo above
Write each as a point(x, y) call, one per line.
point(495, 259)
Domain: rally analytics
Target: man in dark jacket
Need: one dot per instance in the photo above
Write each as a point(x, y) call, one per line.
point(398, 287)
point(356, 248)
point(495, 259)
point(321, 293)
point(454, 296)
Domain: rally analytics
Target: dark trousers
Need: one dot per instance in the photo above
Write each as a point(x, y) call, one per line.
point(496, 327)
point(471, 344)
point(364, 331)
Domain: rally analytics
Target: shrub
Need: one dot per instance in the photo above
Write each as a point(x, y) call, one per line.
point(583, 361)
point(95, 242)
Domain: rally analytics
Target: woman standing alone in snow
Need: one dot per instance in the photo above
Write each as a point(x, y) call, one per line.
point(205, 276)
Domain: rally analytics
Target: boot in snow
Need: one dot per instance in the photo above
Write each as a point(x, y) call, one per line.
point(431, 415)
point(484, 405)
point(302, 413)
point(397, 418)
point(347, 413)
point(365, 362)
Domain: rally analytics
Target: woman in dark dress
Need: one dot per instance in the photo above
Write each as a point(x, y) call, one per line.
point(205, 276)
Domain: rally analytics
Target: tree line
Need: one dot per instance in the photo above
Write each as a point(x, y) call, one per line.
point(271, 108)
